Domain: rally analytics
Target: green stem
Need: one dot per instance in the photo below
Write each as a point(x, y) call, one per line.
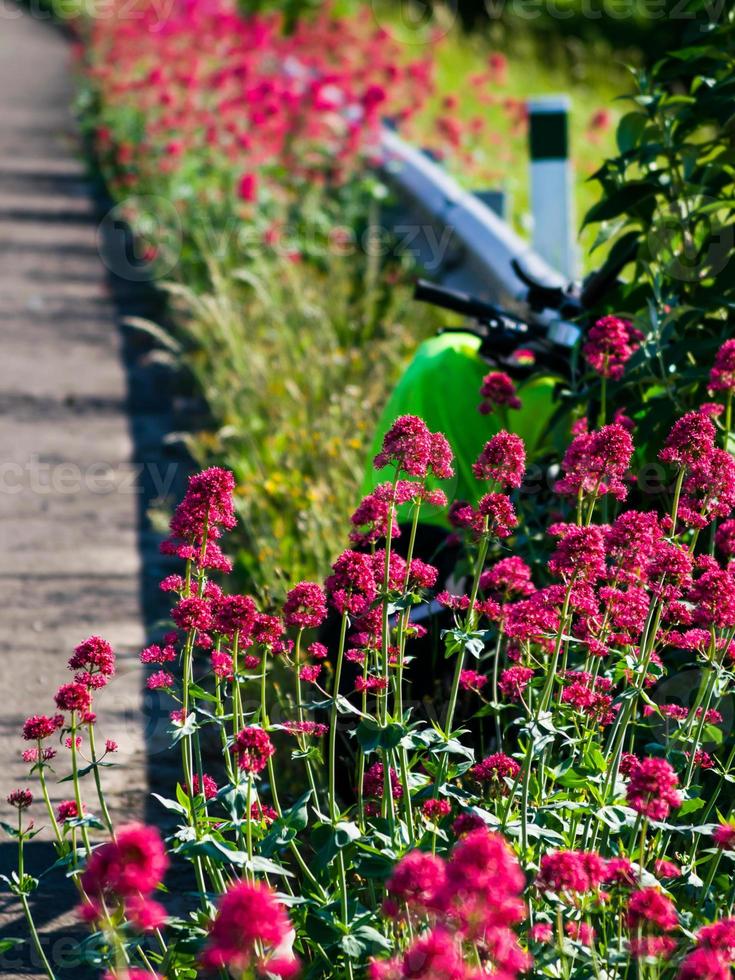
point(95, 769)
point(75, 778)
point(677, 494)
point(333, 721)
point(24, 901)
point(36, 939)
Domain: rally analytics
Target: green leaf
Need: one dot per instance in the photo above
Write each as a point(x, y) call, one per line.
point(171, 805)
point(621, 201)
point(371, 736)
point(691, 806)
point(630, 130)
point(345, 833)
point(200, 694)
point(10, 943)
point(262, 865)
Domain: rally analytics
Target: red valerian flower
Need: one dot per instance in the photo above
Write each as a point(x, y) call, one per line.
point(494, 770)
point(155, 654)
point(611, 343)
point(305, 606)
point(482, 895)
point(596, 705)
point(193, 614)
point(713, 597)
point(374, 782)
point(466, 823)
point(73, 697)
point(470, 680)
point(206, 506)
point(502, 459)
point(691, 441)
point(724, 836)
point(720, 936)
point(310, 673)
point(268, 631)
point(440, 457)
point(210, 786)
point(433, 955)
point(652, 789)
point(33, 755)
point(351, 586)
point(133, 863)
point(235, 614)
point(495, 516)
point(250, 922)
point(222, 665)
point(407, 446)
point(596, 463)
point(161, 680)
point(247, 188)
point(580, 554)
point(669, 570)
point(581, 932)
point(421, 575)
point(435, 809)
point(722, 375)
point(704, 964)
point(620, 871)
point(94, 661)
point(725, 538)
point(650, 908)
point(667, 869)
point(315, 728)
point(571, 871)
point(370, 519)
point(508, 578)
point(144, 914)
point(67, 810)
point(497, 389)
point(38, 727)
point(514, 681)
point(253, 748)
point(21, 799)
point(415, 881)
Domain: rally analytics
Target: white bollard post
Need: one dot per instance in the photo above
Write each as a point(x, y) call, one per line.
point(552, 202)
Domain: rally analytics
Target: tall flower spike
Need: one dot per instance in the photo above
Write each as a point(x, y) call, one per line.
point(722, 375)
point(497, 390)
point(611, 343)
point(502, 459)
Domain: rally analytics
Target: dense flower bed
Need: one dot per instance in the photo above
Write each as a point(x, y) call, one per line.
point(246, 172)
point(592, 837)
point(240, 101)
point(242, 157)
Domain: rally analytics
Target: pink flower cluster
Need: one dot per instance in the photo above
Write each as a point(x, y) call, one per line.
point(266, 109)
point(125, 871)
point(611, 343)
point(250, 931)
point(473, 897)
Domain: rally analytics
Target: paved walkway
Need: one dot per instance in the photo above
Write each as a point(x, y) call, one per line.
point(75, 416)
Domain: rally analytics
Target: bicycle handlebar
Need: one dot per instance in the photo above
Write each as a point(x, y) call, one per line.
point(453, 299)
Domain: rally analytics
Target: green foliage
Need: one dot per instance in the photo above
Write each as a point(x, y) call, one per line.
point(671, 190)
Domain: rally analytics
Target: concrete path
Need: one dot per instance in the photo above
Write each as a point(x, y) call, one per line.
point(80, 415)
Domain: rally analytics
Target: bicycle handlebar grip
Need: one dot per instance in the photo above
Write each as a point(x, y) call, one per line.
point(453, 299)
